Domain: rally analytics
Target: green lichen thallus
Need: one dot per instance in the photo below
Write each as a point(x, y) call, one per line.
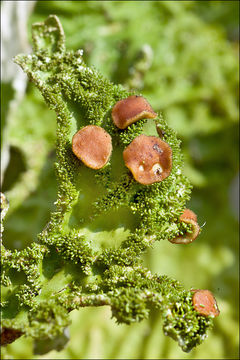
point(89, 253)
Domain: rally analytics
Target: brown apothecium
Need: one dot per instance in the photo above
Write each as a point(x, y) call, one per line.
point(205, 303)
point(149, 159)
point(127, 111)
point(93, 146)
point(188, 217)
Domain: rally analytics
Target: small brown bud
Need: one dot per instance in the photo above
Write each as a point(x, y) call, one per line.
point(149, 159)
point(127, 111)
point(93, 146)
point(188, 217)
point(205, 303)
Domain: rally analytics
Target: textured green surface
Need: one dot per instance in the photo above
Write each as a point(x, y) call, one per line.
point(205, 145)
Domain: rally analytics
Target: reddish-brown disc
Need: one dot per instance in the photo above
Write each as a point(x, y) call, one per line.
point(204, 303)
point(149, 159)
point(93, 146)
point(127, 111)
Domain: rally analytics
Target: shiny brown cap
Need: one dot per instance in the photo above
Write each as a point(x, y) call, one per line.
point(205, 303)
point(127, 111)
point(93, 146)
point(188, 217)
point(149, 159)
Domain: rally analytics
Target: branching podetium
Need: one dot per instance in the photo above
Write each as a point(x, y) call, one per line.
point(112, 205)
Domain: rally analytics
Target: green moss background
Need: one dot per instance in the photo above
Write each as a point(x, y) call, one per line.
point(183, 57)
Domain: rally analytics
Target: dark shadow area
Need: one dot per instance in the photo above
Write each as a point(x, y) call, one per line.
point(52, 263)
point(26, 222)
point(13, 307)
point(15, 168)
point(17, 277)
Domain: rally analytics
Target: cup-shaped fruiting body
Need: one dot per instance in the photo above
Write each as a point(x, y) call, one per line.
point(205, 303)
point(93, 146)
point(149, 159)
point(127, 111)
point(188, 217)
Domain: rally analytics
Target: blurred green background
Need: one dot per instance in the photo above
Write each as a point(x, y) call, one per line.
point(183, 57)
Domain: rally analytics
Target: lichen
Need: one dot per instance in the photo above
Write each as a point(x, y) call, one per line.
point(89, 253)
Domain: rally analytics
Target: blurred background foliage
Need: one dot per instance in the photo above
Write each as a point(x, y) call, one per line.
point(183, 57)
